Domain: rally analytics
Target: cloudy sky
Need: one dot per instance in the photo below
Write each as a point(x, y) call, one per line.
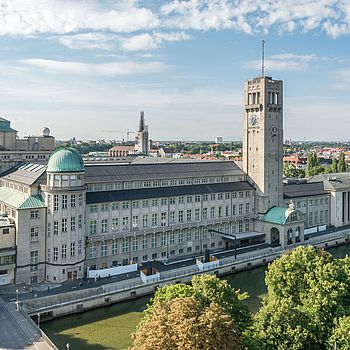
point(85, 66)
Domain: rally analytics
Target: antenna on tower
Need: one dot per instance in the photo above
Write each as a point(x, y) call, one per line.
point(262, 58)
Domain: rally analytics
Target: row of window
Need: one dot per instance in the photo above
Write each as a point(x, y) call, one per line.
point(312, 202)
point(14, 186)
point(318, 218)
point(156, 220)
point(145, 242)
point(64, 201)
point(162, 183)
point(7, 259)
point(164, 201)
point(63, 251)
point(73, 222)
point(152, 256)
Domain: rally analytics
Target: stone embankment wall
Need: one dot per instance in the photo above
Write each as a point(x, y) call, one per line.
point(78, 301)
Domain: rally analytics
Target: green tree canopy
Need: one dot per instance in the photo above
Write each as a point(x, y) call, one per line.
point(281, 326)
point(291, 171)
point(341, 335)
point(313, 166)
point(185, 324)
point(208, 289)
point(334, 165)
point(341, 163)
point(312, 284)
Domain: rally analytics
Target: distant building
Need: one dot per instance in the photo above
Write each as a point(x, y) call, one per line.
point(142, 137)
point(31, 148)
point(121, 151)
point(299, 162)
point(218, 139)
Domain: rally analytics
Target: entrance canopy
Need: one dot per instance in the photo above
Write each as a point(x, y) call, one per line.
point(244, 235)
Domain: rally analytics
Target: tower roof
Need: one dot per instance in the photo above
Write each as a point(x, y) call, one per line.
point(65, 160)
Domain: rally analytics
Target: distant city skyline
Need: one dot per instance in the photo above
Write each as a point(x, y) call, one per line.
point(88, 66)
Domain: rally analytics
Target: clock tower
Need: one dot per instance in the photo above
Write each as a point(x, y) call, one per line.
point(263, 140)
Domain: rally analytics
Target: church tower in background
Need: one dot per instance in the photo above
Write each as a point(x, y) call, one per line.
point(142, 137)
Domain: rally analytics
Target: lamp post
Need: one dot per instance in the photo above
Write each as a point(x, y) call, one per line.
point(67, 346)
point(17, 300)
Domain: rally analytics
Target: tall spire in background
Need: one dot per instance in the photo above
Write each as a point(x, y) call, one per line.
point(142, 121)
point(142, 137)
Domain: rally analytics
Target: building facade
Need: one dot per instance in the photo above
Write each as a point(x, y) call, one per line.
point(69, 218)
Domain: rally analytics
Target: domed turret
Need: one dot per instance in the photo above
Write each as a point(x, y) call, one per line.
point(65, 160)
point(45, 131)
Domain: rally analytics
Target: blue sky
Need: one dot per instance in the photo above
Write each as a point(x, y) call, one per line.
point(81, 67)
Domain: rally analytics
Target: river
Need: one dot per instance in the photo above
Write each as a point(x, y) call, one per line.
point(110, 327)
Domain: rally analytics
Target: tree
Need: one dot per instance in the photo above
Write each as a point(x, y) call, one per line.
point(185, 324)
point(340, 335)
point(341, 163)
point(281, 326)
point(312, 164)
point(208, 289)
point(334, 165)
point(291, 171)
point(311, 282)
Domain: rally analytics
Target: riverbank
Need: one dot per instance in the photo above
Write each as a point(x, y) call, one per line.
point(58, 305)
point(110, 327)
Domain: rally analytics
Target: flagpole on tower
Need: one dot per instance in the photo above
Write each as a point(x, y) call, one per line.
point(263, 58)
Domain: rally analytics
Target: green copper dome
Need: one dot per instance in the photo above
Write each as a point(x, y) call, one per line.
point(65, 160)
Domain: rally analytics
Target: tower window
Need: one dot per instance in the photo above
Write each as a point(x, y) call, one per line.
point(250, 99)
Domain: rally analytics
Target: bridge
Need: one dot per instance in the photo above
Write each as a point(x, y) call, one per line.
point(18, 331)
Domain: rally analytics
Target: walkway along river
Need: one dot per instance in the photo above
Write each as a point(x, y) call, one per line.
point(110, 327)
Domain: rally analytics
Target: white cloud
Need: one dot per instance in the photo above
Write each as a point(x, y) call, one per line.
point(285, 62)
point(200, 15)
point(88, 41)
point(95, 24)
point(104, 69)
point(139, 42)
point(252, 16)
point(27, 17)
point(152, 41)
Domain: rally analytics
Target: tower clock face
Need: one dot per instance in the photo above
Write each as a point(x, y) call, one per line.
point(253, 119)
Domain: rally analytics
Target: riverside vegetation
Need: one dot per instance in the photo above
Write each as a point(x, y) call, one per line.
point(307, 307)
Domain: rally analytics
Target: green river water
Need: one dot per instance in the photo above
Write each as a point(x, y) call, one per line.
point(110, 327)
